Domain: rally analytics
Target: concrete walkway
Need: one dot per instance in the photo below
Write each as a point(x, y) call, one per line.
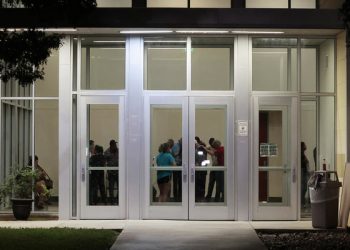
point(191, 235)
point(169, 234)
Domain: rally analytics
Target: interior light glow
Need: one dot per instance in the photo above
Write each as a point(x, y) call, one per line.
point(145, 31)
point(202, 31)
point(256, 32)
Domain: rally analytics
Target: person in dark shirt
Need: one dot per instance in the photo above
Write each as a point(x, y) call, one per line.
point(97, 182)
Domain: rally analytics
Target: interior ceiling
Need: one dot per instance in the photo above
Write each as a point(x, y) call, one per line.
point(306, 32)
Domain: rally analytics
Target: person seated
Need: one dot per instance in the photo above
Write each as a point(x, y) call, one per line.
point(42, 184)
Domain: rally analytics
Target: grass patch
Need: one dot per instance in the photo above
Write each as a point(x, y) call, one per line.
point(57, 239)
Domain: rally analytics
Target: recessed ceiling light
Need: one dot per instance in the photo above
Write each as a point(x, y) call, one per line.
point(59, 30)
point(145, 31)
point(110, 41)
point(202, 31)
point(256, 32)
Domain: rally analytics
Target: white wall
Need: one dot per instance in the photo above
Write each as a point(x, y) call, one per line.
point(341, 104)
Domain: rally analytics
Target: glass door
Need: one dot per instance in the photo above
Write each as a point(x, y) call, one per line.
point(189, 158)
point(102, 162)
point(275, 158)
point(211, 158)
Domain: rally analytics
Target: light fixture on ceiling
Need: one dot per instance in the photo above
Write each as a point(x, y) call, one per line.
point(165, 41)
point(255, 32)
point(58, 30)
point(145, 31)
point(202, 31)
point(108, 41)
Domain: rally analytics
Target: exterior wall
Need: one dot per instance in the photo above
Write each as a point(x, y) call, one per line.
point(341, 104)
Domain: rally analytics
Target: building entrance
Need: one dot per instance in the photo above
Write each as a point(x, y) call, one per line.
point(189, 158)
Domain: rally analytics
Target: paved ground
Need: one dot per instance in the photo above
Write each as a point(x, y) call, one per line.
point(170, 234)
point(187, 235)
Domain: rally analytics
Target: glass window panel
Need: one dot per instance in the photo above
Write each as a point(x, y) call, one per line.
point(165, 62)
point(303, 4)
point(49, 85)
point(13, 89)
point(326, 131)
point(274, 172)
point(46, 149)
point(104, 154)
point(318, 65)
point(330, 4)
point(308, 160)
point(167, 3)
point(274, 64)
point(211, 64)
point(266, 3)
point(114, 3)
point(210, 3)
point(210, 123)
point(103, 63)
point(16, 139)
point(308, 70)
point(166, 152)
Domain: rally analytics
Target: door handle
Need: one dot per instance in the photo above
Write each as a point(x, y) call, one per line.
point(83, 174)
point(184, 172)
point(192, 174)
point(294, 175)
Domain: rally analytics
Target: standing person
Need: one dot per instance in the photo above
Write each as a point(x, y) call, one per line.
point(304, 174)
point(112, 160)
point(214, 162)
point(164, 158)
point(176, 152)
point(97, 181)
point(200, 176)
point(219, 152)
point(91, 148)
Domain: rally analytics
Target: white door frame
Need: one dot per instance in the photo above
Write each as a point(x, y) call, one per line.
point(212, 211)
point(281, 211)
point(188, 209)
point(108, 211)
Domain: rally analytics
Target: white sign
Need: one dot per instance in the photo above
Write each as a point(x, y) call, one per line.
point(242, 127)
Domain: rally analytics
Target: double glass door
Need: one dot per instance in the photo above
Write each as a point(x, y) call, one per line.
point(101, 160)
point(189, 158)
point(275, 158)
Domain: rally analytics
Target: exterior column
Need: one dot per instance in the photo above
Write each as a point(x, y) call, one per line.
point(242, 104)
point(64, 130)
point(134, 126)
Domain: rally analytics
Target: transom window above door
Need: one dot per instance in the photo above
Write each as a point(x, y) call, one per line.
point(192, 63)
point(102, 63)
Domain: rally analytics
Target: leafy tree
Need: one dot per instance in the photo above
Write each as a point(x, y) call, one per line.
point(24, 54)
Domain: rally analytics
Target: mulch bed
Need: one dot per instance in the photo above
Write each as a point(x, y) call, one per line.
point(307, 239)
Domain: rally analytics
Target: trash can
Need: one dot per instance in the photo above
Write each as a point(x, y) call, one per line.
point(324, 198)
